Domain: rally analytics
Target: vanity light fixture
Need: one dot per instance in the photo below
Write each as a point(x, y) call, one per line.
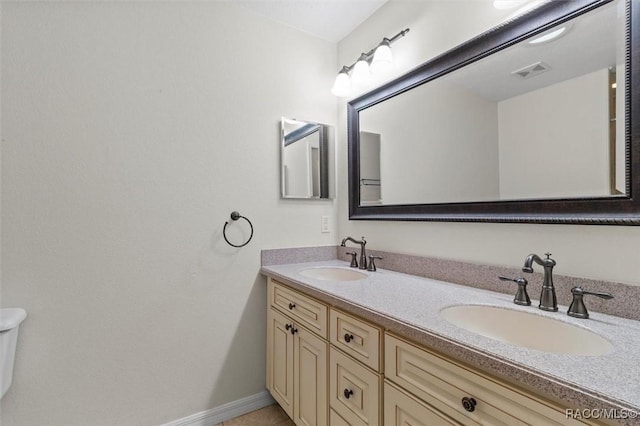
point(382, 58)
point(361, 71)
point(378, 60)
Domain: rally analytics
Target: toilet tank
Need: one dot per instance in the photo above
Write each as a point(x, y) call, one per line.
point(10, 319)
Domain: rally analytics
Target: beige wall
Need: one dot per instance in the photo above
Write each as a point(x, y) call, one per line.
point(599, 252)
point(565, 154)
point(452, 139)
point(130, 132)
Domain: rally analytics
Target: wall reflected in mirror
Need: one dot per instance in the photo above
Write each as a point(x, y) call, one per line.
point(537, 120)
point(305, 172)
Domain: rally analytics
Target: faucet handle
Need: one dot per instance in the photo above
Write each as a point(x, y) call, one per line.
point(577, 308)
point(521, 298)
point(372, 263)
point(354, 261)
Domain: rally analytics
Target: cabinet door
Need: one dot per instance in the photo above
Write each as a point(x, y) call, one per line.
point(310, 379)
point(280, 360)
point(400, 409)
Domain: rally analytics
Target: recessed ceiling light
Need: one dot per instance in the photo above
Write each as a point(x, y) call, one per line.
point(550, 35)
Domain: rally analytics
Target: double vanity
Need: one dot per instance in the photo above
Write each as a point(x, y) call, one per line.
point(347, 346)
point(431, 342)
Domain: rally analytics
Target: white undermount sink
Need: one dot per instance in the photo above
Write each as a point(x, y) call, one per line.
point(527, 330)
point(333, 274)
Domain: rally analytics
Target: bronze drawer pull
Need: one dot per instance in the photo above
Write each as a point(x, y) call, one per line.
point(469, 404)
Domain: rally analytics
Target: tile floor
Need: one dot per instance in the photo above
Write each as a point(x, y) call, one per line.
point(272, 415)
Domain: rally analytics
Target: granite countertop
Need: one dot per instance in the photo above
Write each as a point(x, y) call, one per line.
point(410, 306)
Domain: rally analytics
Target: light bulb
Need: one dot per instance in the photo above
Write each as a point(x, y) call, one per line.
point(382, 59)
point(342, 85)
point(361, 74)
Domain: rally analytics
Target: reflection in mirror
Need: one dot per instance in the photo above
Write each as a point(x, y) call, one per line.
point(533, 121)
point(370, 169)
point(305, 159)
point(537, 120)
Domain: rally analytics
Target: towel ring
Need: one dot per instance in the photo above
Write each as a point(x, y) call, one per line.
point(235, 216)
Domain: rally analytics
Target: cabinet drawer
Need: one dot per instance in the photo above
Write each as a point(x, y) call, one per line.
point(443, 384)
point(356, 337)
point(336, 420)
point(401, 409)
point(354, 390)
point(299, 307)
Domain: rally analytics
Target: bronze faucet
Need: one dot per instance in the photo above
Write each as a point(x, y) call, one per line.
point(363, 254)
point(548, 300)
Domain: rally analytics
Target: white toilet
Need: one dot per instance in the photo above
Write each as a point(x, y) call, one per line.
point(10, 319)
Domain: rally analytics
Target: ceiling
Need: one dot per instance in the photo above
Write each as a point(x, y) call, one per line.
point(591, 44)
point(330, 20)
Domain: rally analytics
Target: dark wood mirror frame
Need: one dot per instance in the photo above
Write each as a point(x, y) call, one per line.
point(614, 210)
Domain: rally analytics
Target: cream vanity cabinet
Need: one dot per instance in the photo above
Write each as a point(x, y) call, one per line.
point(297, 350)
point(326, 367)
point(355, 371)
point(314, 382)
point(420, 383)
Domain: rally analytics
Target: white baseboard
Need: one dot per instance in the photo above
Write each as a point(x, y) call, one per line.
point(226, 412)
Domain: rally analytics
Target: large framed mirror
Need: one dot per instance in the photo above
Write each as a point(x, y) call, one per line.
point(536, 120)
point(304, 154)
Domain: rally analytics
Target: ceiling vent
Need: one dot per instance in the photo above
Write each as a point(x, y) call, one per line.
point(531, 70)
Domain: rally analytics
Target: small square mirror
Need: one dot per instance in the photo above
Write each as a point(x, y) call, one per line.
point(305, 158)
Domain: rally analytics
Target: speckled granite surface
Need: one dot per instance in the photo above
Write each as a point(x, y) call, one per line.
point(297, 255)
point(410, 307)
point(624, 304)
